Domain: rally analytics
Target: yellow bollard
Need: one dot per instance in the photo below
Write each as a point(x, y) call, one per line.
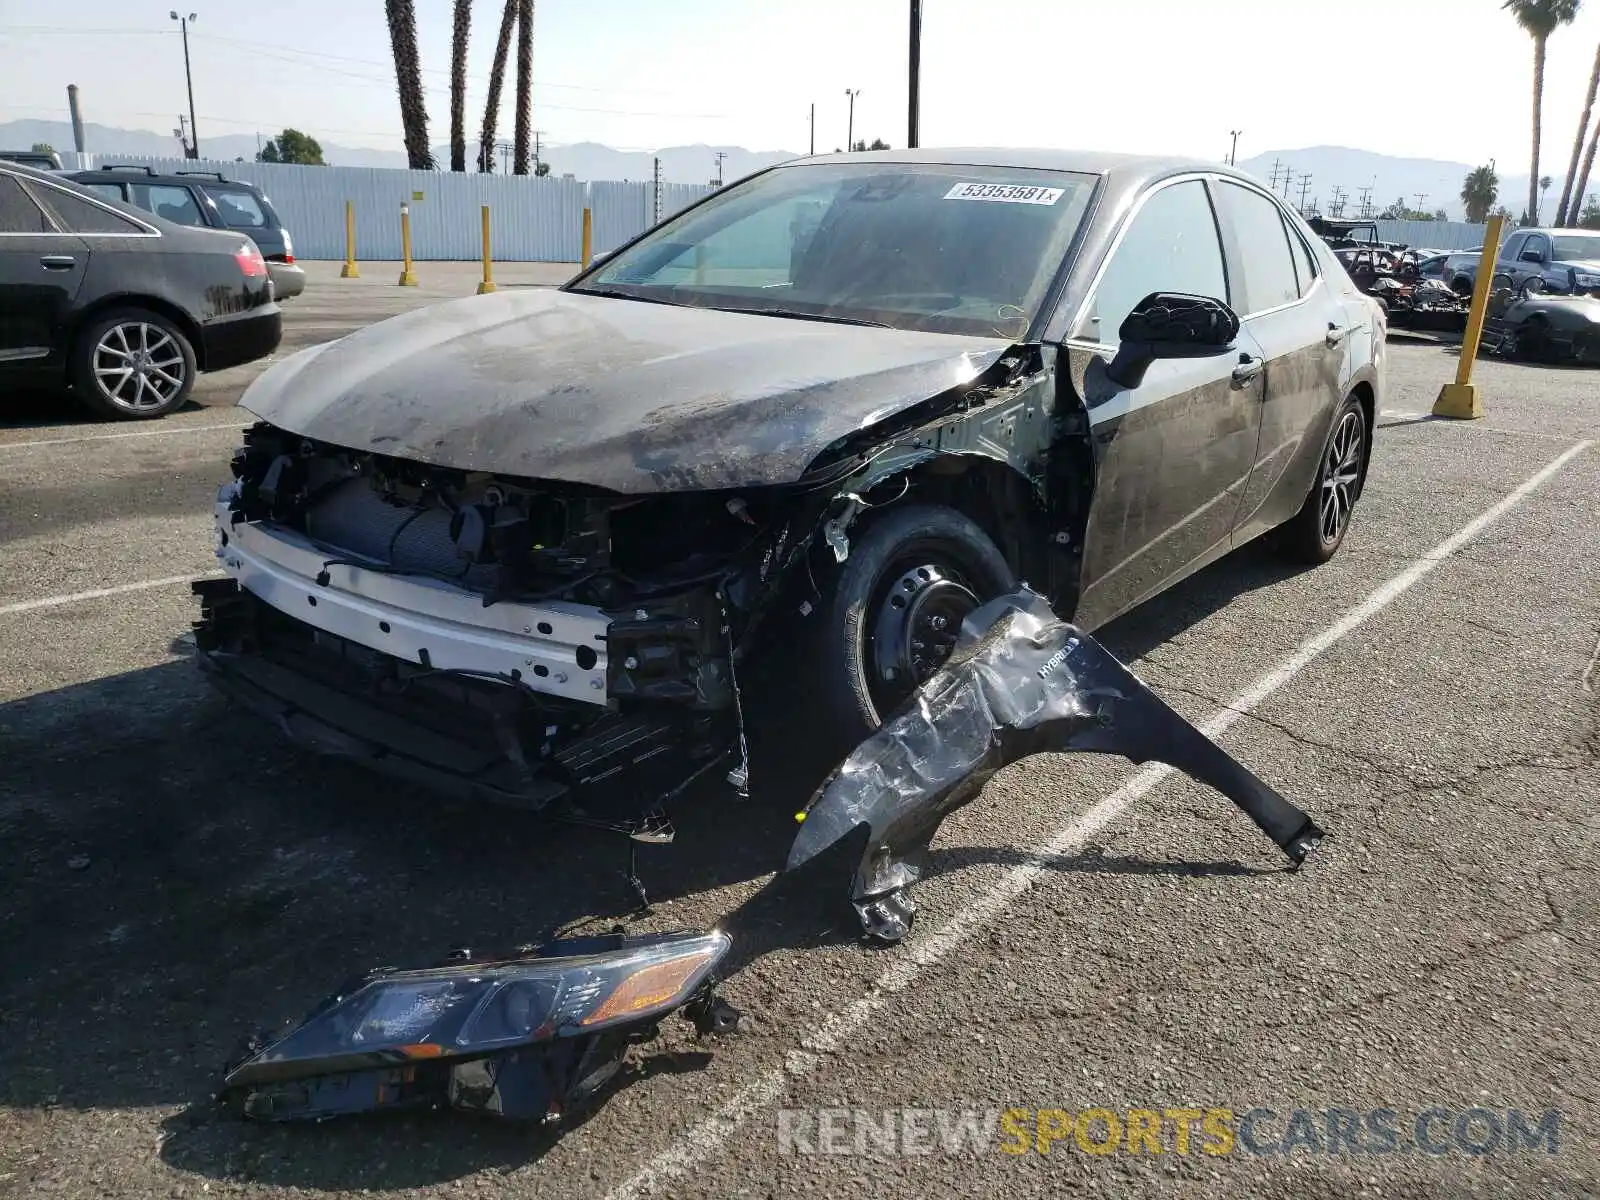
point(487, 284)
point(588, 237)
point(350, 271)
point(408, 277)
point(1460, 399)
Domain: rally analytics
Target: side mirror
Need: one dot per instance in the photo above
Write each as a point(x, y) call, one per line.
point(1171, 325)
point(1532, 256)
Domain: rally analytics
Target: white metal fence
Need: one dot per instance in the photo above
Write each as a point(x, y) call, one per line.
point(532, 219)
point(1432, 235)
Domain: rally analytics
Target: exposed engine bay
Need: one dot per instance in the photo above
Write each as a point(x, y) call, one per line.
point(590, 632)
point(581, 633)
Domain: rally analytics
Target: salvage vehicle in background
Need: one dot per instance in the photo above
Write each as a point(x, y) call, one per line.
point(40, 160)
point(124, 309)
point(519, 544)
point(1526, 322)
point(1564, 261)
point(206, 199)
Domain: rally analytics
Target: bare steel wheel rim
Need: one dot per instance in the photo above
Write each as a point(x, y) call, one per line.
point(918, 618)
point(138, 366)
point(1340, 470)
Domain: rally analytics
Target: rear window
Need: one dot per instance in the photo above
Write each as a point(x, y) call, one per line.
point(168, 201)
point(18, 213)
point(238, 208)
point(80, 216)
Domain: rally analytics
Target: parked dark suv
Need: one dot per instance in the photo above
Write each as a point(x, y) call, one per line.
point(206, 198)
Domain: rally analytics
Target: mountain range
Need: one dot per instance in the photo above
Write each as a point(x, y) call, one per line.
point(1437, 181)
point(585, 160)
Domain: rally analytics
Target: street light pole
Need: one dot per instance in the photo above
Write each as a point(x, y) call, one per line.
point(1233, 155)
point(850, 129)
point(813, 128)
point(193, 148)
point(912, 133)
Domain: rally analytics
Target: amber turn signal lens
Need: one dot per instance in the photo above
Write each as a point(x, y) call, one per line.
point(648, 988)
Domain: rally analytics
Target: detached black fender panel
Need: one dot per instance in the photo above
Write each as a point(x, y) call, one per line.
point(1020, 681)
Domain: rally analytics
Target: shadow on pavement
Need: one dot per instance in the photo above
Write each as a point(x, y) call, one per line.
point(173, 877)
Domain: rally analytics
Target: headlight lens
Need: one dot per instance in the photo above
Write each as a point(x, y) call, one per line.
point(1585, 281)
point(468, 1009)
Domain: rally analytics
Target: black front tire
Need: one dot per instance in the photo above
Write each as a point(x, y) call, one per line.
point(142, 341)
point(1315, 533)
point(882, 578)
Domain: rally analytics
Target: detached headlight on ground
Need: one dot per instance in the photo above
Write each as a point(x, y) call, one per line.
point(524, 1036)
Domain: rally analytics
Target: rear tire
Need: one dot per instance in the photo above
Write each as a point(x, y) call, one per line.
point(1315, 533)
point(894, 610)
point(131, 364)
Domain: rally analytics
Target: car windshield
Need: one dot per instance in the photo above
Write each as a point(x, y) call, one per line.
point(943, 249)
point(1576, 247)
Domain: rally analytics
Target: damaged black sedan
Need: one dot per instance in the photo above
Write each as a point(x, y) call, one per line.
point(519, 544)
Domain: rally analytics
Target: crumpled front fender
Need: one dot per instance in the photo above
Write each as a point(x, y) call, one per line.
point(1020, 681)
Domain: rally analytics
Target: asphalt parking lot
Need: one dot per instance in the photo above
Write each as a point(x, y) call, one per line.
point(1095, 937)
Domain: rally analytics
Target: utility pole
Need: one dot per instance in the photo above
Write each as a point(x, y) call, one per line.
point(813, 127)
point(720, 156)
point(505, 156)
point(1305, 189)
point(1366, 202)
point(915, 74)
point(1275, 168)
point(188, 78)
point(537, 134)
point(1288, 178)
point(1420, 197)
point(850, 134)
point(656, 191)
point(1233, 155)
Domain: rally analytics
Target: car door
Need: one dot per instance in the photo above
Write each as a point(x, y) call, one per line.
point(41, 270)
point(1173, 455)
point(1301, 329)
point(1535, 259)
point(1508, 263)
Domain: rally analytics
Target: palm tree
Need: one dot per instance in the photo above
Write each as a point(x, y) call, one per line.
point(497, 80)
point(1539, 18)
point(1479, 191)
point(1583, 171)
point(458, 85)
point(1570, 199)
point(524, 119)
point(1544, 187)
point(408, 78)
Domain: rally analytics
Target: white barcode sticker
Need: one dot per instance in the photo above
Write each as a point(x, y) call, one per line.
point(1005, 193)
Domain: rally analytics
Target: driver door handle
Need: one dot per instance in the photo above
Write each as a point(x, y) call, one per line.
point(1335, 334)
point(1248, 370)
point(58, 262)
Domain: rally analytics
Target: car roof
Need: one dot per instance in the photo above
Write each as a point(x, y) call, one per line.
point(133, 172)
point(1124, 170)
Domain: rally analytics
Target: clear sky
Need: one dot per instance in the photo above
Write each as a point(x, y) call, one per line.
point(1431, 78)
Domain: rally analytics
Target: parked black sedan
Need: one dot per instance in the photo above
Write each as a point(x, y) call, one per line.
point(520, 543)
point(125, 308)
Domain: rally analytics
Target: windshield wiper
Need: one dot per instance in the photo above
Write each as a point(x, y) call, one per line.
point(618, 294)
point(796, 314)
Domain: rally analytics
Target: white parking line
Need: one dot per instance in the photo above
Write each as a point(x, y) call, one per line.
point(122, 589)
point(710, 1135)
point(137, 433)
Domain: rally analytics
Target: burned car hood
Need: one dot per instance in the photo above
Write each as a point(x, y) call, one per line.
point(621, 394)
